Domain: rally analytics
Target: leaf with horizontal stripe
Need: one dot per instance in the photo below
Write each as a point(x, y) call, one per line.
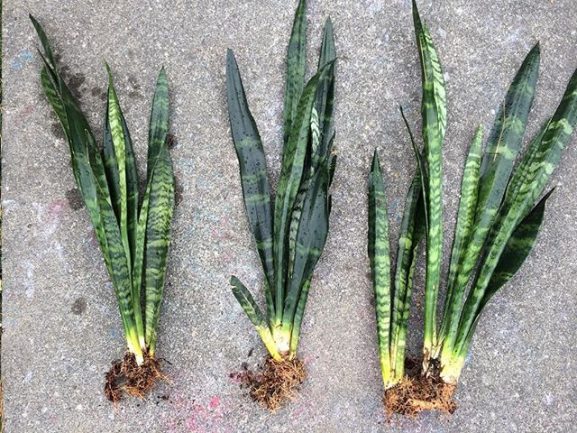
point(412, 231)
point(295, 68)
point(253, 172)
point(538, 163)
point(289, 183)
point(463, 233)
point(254, 314)
point(380, 260)
point(433, 110)
point(500, 154)
point(310, 241)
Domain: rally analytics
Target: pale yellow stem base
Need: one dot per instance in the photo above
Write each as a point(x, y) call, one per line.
point(451, 367)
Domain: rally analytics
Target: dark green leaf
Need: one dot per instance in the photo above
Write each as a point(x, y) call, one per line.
point(296, 65)
point(255, 184)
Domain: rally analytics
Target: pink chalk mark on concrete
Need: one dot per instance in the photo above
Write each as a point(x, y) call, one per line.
point(55, 209)
point(206, 417)
point(24, 113)
point(50, 216)
point(214, 402)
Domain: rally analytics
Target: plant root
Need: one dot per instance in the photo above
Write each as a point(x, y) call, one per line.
point(275, 383)
point(417, 393)
point(127, 377)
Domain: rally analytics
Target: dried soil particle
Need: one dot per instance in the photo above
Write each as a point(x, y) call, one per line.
point(418, 393)
point(127, 377)
point(275, 383)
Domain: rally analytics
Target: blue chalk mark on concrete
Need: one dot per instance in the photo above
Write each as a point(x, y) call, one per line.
point(22, 58)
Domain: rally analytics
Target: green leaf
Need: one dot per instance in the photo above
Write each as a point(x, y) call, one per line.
point(543, 156)
point(538, 164)
point(508, 130)
point(160, 211)
point(122, 168)
point(310, 241)
point(156, 213)
point(521, 170)
point(247, 302)
point(516, 250)
point(294, 155)
point(296, 65)
point(79, 135)
point(53, 96)
point(308, 173)
point(380, 260)
point(254, 314)
point(158, 125)
point(122, 180)
point(299, 314)
point(412, 231)
point(500, 154)
point(44, 41)
point(421, 168)
point(111, 166)
point(253, 171)
point(119, 144)
point(463, 232)
point(326, 92)
point(434, 114)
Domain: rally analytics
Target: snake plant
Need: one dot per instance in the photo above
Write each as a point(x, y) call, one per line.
point(393, 295)
point(290, 230)
point(133, 237)
point(500, 213)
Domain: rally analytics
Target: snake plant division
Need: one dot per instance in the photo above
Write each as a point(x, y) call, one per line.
point(500, 213)
point(290, 230)
point(132, 226)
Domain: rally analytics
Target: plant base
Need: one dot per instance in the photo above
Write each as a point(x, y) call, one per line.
point(417, 393)
point(127, 377)
point(275, 383)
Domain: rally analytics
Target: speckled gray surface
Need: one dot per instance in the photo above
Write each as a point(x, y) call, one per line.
point(61, 326)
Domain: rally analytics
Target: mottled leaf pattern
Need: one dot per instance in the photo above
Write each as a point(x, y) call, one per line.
point(434, 115)
point(299, 314)
point(516, 250)
point(295, 68)
point(393, 301)
point(500, 154)
point(537, 166)
point(294, 156)
point(253, 172)
point(291, 238)
point(254, 314)
point(158, 124)
point(108, 182)
point(463, 231)
point(379, 256)
point(310, 241)
point(413, 230)
point(326, 92)
point(160, 211)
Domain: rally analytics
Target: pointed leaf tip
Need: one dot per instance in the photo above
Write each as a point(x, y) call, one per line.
point(415, 9)
point(108, 71)
point(230, 57)
point(162, 75)
point(375, 163)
